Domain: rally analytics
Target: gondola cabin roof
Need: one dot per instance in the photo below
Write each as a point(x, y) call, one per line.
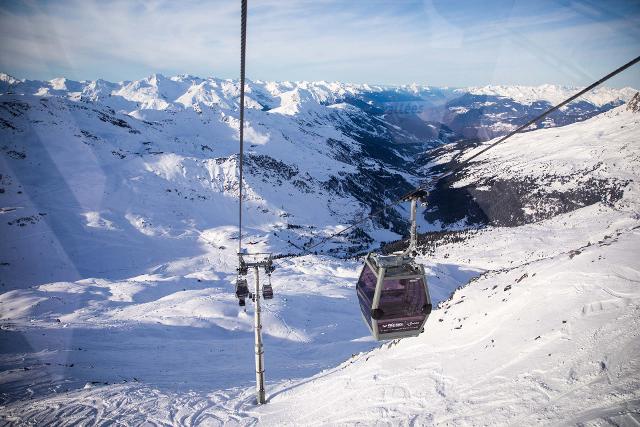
point(397, 266)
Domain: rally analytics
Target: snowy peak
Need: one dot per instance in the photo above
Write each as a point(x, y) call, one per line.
point(160, 92)
point(7, 82)
point(554, 94)
point(297, 100)
point(156, 92)
point(6, 78)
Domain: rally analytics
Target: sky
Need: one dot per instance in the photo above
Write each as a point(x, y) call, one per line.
point(433, 42)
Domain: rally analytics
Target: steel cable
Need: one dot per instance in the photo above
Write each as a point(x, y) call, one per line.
point(243, 46)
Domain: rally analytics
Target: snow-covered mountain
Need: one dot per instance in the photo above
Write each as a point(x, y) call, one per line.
point(421, 111)
point(327, 139)
point(119, 203)
point(539, 181)
point(554, 94)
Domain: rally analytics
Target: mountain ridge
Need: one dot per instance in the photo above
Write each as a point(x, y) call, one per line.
point(529, 94)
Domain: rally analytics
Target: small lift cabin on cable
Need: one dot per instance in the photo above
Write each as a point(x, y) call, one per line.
point(242, 288)
point(392, 289)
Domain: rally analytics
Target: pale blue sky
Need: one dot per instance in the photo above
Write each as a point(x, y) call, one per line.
point(439, 42)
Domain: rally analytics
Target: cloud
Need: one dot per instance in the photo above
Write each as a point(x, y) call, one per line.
point(434, 42)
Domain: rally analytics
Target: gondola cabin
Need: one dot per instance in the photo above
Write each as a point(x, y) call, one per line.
point(242, 291)
point(267, 292)
point(393, 295)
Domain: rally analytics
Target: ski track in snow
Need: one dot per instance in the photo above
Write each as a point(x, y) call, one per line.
point(544, 332)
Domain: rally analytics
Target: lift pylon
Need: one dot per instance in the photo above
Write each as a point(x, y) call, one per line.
point(255, 262)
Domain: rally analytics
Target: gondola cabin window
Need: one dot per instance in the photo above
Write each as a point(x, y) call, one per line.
point(366, 289)
point(403, 305)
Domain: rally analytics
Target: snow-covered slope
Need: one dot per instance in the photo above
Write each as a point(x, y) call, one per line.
point(144, 180)
point(547, 334)
point(423, 112)
point(118, 255)
point(532, 178)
